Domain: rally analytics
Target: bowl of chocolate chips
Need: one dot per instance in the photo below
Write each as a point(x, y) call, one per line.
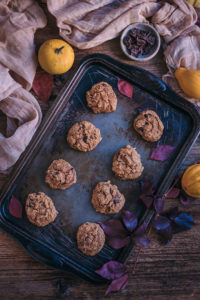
point(140, 41)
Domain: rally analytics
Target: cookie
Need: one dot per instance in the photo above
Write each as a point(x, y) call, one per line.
point(127, 164)
point(60, 175)
point(90, 238)
point(101, 98)
point(40, 209)
point(107, 199)
point(84, 136)
point(149, 126)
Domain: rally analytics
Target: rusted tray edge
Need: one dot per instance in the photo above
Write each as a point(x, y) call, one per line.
point(128, 72)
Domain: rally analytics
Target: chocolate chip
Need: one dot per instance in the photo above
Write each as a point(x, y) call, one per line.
point(85, 138)
point(141, 129)
point(116, 201)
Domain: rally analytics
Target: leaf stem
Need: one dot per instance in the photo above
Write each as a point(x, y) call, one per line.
point(137, 257)
point(173, 185)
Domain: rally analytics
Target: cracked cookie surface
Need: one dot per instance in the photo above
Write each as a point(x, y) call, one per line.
point(40, 209)
point(90, 238)
point(149, 125)
point(127, 164)
point(107, 199)
point(84, 136)
point(101, 98)
point(60, 175)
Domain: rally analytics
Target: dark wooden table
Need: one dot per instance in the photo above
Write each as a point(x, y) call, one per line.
point(162, 272)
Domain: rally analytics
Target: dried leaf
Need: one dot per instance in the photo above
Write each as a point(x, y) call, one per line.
point(173, 193)
point(172, 213)
point(112, 270)
point(147, 200)
point(184, 220)
point(118, 284)
point(166, 234)
point(130, 220)
point(161, 223)
point(162, 152)
point(141, 230)
point(15, 207)
point(147, 195)
point(186, 200)
point(125, 88)
point(114, 228)
point(141, 241)
point(147, 188)
point(118, 242)
point(43, 85)
point(158, 204)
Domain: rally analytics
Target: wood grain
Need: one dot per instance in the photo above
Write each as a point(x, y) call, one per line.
point(169, 272)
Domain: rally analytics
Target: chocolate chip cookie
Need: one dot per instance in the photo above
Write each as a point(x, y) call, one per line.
point(127, 163)
point(107, 199)
point(101, 98)
point(90, 238)
point(40, 209)
point(84, 136)
point(149, 126)
point(60, 175)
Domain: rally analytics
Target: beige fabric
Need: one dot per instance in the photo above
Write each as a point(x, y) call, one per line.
point(19, 21)
point(172, 19)
point(184, 51)
point(86, 24)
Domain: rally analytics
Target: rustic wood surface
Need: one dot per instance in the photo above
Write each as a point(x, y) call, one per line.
point(162, 272)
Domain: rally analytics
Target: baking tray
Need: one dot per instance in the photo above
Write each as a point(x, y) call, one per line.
point(55, 244)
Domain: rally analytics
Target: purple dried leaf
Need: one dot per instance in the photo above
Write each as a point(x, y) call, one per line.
point(184, 220)
point(141, 240)
point(161, 223)
point(15, 207)
point(173, 193)
point(118, 243)
point(112, 270)
point(166, 234)
point(130, 220)
point(113, 228)
point(147, 193)
point(141, 230)
point(147, 188)
point(186, 200)
point(147, 200)
point(118, 284)
point(162, 152)
point(172, 213)
point(159, 204)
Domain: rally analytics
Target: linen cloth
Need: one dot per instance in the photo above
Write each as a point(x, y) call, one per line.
point(18, 21)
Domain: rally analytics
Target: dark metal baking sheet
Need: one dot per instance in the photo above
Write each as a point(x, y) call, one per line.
point(55, 244)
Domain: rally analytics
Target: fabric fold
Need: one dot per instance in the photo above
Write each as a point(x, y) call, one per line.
point(19, 20)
